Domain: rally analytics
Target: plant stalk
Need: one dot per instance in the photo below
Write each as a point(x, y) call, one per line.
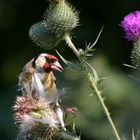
point(97, 91)
point(71, 45)
point(98, 94)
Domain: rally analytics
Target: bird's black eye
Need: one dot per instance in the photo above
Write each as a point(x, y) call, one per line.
point(49, 60)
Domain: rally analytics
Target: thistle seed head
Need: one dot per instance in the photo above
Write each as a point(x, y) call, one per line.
point(35, 118)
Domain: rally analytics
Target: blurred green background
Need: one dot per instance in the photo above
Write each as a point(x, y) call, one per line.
point(121, 86)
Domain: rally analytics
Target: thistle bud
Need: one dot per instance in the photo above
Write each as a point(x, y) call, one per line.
point(40, 35)
point(60, 17)
point(58, 20)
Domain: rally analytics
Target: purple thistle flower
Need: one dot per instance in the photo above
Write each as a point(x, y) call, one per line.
point(131, 25)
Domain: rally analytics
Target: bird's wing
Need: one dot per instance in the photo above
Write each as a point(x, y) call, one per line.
point(25, 78)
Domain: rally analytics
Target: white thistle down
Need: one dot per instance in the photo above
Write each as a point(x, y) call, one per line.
point(50, 121)
point(27, 124)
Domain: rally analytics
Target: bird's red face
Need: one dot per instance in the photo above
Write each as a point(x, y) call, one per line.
point(48, 62)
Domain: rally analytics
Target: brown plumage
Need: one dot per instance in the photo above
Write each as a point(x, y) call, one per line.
point(25, 77)
point(44, 74)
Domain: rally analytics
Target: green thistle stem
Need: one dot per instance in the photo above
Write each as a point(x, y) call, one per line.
point(98, 94)
point(97, 91)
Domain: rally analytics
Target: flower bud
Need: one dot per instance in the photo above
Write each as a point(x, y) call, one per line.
point(58, 20)
point(43, 37)
point(60, 17)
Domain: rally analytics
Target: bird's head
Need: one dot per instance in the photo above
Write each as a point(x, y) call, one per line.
point(47, 62)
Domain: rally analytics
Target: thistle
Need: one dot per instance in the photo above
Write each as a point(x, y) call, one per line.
point(58, 20)
point(131, 27)
point(35, 119)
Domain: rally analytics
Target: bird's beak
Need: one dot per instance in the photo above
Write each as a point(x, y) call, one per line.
point(56, 66)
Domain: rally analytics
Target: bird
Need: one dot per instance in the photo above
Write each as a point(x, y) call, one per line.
point(38, 81)
point(37, 78)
